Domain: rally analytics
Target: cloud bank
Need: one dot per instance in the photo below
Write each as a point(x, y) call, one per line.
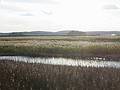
point(111, 7)
point(28, 15)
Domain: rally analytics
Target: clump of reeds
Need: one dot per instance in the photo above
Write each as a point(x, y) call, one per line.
point(112, 52)
point(83, 47)
point(26, 76)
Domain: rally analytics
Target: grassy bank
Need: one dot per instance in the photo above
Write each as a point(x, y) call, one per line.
point(108, 52)
point(66, 38)
point(107, 48)
point(25, 76)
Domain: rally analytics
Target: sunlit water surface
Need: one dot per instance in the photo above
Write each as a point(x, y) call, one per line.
point(64, 61)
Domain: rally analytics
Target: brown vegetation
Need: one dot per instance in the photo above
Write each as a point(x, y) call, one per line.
point(26, 76)
point(85, 47)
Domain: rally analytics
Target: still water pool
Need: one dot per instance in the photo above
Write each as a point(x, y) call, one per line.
point(63, 61)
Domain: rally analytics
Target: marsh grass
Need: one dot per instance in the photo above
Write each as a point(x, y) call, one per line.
point(66, 38)
point(85, 47)
point(111, 52)
point(26, 76)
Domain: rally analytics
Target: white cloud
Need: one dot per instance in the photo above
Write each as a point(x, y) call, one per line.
point(35, 1)
point(27, 14)
point(31, 8)
point(111, 7)
point(22, 15)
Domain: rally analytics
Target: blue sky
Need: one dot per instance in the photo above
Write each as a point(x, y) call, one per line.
point(56, 15)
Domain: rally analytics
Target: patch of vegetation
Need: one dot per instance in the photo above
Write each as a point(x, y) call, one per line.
point(26, 76)
point(61, 46)
point(66, 38)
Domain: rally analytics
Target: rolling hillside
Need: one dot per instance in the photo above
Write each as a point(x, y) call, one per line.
point(66, 32)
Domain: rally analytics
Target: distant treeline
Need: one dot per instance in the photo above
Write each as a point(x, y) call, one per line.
point(63, 33)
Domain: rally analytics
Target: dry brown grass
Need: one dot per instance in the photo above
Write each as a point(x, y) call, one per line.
point(25, 76)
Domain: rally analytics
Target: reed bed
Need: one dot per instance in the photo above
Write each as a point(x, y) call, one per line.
point(28, 76)
point(66, 38)
point(103, 51)
point(62, 46)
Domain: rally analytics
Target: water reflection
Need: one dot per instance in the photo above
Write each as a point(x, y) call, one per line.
point(64, 61)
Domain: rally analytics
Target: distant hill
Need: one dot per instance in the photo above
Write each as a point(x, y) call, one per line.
point(103, 33)
point(78, 33)
point(62, 32)
point(65, 32)
point(34, 33)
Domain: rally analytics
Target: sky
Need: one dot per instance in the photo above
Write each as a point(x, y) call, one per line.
point(57, 15)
